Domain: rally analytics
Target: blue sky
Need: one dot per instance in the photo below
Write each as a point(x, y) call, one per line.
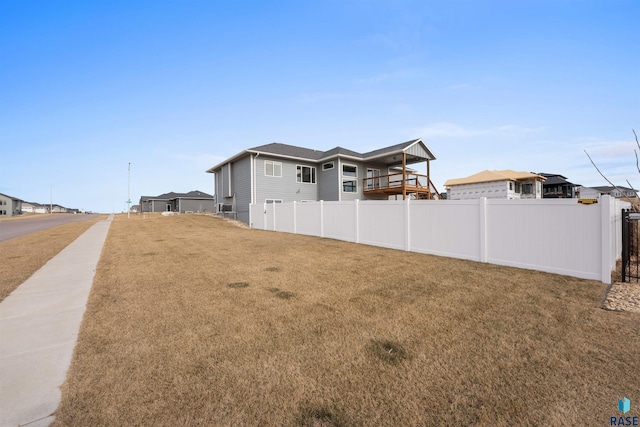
point(174, 87)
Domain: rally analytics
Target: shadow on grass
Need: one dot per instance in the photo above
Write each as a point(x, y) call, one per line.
point(387, 351)
point(320, 417)
point(281, 294)
point(238, 285)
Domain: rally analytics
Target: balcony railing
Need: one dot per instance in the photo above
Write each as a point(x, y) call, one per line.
point(394, 184)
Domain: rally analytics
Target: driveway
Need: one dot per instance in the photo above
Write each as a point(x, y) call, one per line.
point(11, 229)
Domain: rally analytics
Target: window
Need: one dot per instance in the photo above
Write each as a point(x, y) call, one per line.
point(527, 188)
point(272, 168)
point(327, 166)
point(349, 170)
point(510, 185)
point(349, 184)
point(271, 201)
point(306, 174)
point(517, 187)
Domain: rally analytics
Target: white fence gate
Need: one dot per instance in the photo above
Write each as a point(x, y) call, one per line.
point(553, 235)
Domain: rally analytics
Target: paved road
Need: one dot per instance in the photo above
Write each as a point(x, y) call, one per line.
point(11, 229)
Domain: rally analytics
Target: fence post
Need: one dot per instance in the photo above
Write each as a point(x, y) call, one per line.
point(482, 206)
point(321, 218)
point(264, 222)
point(357, 204)
point(273, 210)
point(605, 246)
point(625, 242)
point(295, 225)
point(407, 226)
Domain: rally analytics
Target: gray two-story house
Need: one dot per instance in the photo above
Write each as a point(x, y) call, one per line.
point(10, 206)
point(277, 173)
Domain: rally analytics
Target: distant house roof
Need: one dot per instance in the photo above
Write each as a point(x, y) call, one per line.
point(608, 189)
point(10, 197)
point(492, 176)
point(195, 194)
point(300, 153)
point(555, 179)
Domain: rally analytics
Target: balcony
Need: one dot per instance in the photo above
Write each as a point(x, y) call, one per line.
point(399, 183)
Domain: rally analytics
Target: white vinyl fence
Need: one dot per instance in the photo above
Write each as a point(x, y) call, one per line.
point(553, 235)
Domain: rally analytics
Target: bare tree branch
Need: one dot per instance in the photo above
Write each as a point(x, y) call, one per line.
point(631, 187)
point(607, 179)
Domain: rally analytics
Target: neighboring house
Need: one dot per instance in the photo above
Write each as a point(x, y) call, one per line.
point(556, 186)
point(33, 207)
point(28, 207)
point(58, 209)
point(10, 206)
point(596, 192)
point(193, 201)
point(277, 173)
point(502, 184)
point(135, 208)
point(43, 209)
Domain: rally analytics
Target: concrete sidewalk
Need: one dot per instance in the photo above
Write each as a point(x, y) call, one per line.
point(39, 324)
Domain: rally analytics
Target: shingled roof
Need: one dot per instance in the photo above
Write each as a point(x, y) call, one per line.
point(295, 152)
point(491, 176)
point(171, 195)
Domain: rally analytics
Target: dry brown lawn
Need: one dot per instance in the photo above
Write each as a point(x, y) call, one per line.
point(22, 256)
point(193, 321)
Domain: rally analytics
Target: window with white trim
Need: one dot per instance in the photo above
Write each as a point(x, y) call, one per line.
point(350, 170)
point(349, 178)
point(306, 174)
point(327, 166)
point(272, 168)
point(349, 186)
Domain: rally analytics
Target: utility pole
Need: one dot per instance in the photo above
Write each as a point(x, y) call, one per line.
point(129, 193)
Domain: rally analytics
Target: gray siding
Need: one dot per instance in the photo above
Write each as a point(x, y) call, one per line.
point(154, 205)
point(9, 206)
point(362, 173)
point(284, 188)
point(241, 187)
point(224, 195)
point(417, 150)
point(202, 205)
point(328, 186)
